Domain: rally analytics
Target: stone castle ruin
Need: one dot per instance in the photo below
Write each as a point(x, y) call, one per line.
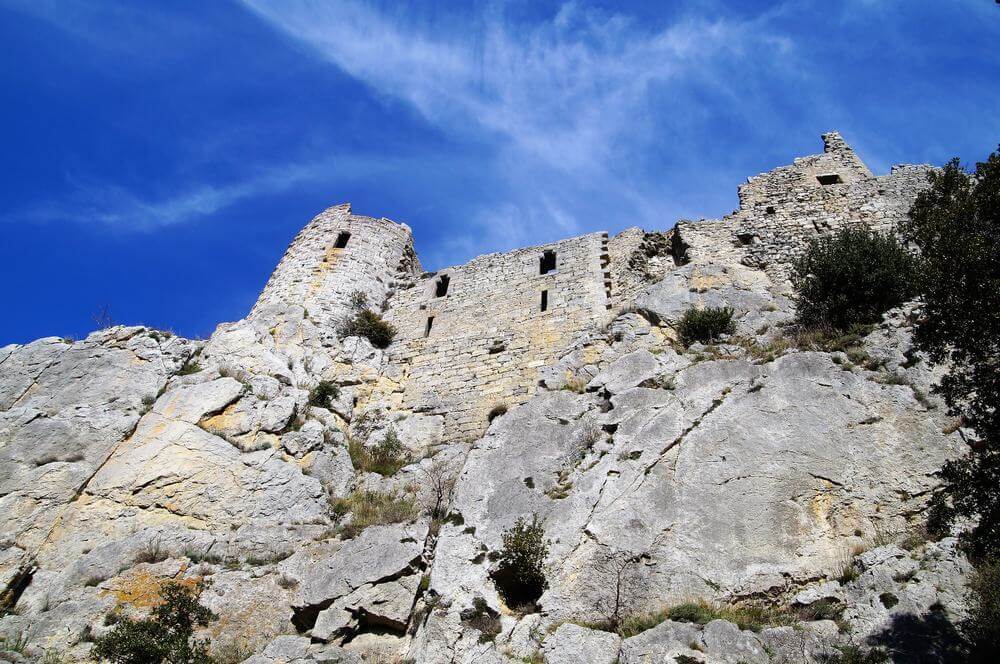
point(343, 502)
point(472, 337)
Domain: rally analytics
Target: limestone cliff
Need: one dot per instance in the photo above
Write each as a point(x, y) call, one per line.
point(544, 381)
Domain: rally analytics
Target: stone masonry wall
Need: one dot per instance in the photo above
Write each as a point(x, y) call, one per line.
point(489, 334)
point(314, 273)
point(781, 210)
point(480, 344)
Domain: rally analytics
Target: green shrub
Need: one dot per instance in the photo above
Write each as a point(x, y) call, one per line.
point(371, 508)
point(705, 325)
point(358, 300)
point(385, 458)
point(855, 655)
point(824, 609)
point(481, 617)
point(165, 637)
point(956, 225)
point(15, 643)
point(752, 616)
point(853, 276)
point(520, 573)
point(320, 395)
point(368, 324)
point(982, 629)
point(189, 368)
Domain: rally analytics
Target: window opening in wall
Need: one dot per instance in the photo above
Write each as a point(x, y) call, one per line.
point(427, 328)
point(342, 240)
point(769, 210)
point(829, 178)
point(545, 300)
point(547, 263)
point(442, 286)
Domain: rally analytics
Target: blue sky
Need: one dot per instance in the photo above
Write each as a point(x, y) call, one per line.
point(158, 157)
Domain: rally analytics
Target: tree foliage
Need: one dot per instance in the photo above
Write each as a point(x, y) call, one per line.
point(956, 225)
point(705, 325)
point(320, 395)
point(165, 637)
point(851, 277)
point(982, 628)
point(368, 324)
point(520, 573)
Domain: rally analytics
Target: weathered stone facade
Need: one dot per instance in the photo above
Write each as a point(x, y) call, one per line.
point(479, 345)
point(318, 274)
point(472, 337)
point(782, 209)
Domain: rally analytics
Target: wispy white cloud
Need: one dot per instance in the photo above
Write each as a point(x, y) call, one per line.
point(111, 205)
point(566, 102)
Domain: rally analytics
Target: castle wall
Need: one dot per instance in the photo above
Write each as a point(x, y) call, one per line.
point(480, 344)
point(489, 334)
point(781, 210)
point(316, 274)
point(637, 259)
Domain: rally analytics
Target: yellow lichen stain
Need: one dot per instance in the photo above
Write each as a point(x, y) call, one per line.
point(156, 430)
point(700, 281)
point(141, 588)
point(330, 257)
point(821, 503)
point(591, 354)
point(228, 419)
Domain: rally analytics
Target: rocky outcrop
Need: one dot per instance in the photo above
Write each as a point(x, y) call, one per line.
point(749, 473)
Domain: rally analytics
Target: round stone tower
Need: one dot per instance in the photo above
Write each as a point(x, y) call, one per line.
point(335, 255)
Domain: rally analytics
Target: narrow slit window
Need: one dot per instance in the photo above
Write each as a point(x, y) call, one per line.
point(442, 286)
point(342, 240)
point(430, 324)
point(829, 178)
point(545, 300)
point(547, 263)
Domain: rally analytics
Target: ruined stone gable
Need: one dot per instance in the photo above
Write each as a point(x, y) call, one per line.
point(781, 210)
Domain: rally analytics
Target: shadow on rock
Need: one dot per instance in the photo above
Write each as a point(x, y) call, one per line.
point(930, 638)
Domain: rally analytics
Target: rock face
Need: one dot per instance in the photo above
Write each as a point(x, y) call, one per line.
point(363, 522)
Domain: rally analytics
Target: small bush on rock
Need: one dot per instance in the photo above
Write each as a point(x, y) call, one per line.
point(855, 655)
point(366, 323)
point(520, 573)
point(982, 629)
point(481, 617)
point(320, 395)
point(371, 508)
point(385, 457)
point(853, 276)
point(165, 637)
point(705, 325)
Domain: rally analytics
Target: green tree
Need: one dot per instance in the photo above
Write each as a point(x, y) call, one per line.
point(983, 625)
point(851, 277)
point(165, 637)
point(520, 572)
point(705, 325)
point(956, 225)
